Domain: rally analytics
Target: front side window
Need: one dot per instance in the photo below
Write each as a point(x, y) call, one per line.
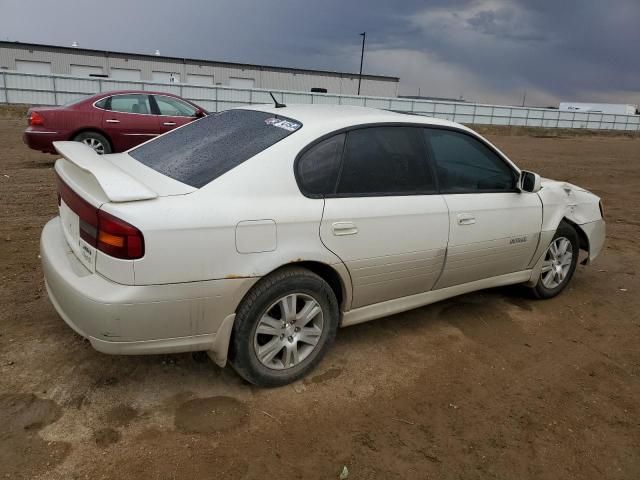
point(174, 107)
point(201, 151)
point(466, 165)
point(130, 104)
point(385, 161)
point(319, 166)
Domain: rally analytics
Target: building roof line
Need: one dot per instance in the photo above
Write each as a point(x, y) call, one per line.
point(8, 44)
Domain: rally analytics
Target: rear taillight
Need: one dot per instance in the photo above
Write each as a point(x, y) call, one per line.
point(601, 209)
point(119, 238)
point(35, 119)
point(102, 230)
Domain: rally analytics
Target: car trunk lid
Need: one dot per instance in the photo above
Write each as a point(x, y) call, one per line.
point(86, 181)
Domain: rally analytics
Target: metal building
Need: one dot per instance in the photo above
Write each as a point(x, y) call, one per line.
point(81, 62)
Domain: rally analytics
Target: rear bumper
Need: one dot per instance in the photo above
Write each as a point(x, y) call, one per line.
point(42, 140)
point(133, 320)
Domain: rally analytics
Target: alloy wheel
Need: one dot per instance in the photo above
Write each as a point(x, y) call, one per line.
point(95, 144)
point(557, 262)
point(288, 331)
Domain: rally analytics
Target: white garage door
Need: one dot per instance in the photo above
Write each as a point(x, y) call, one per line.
point(125, 74)
point(165, 77)
point(197, 79)
point(241, 82)
point(85, 70)
point(27, 66)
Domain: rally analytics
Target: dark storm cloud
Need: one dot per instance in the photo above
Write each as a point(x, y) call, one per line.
point(490, 48)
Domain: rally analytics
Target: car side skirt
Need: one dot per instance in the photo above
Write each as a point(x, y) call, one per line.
point(398, 305)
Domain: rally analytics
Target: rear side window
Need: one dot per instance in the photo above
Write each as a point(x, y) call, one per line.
point(466, 165)
point(319, 166)
point(203, 150)
point(385, 161)
point(130, 104)
point(102, 103)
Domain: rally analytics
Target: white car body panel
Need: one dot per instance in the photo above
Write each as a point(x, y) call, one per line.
point(205, 248)
point(392, 246)
point(490, 234)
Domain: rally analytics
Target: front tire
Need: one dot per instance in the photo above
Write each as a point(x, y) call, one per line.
point(283, 327)
point(559, 264)
point(96, 141)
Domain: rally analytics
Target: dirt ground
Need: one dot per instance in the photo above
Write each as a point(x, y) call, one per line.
point(488, 385)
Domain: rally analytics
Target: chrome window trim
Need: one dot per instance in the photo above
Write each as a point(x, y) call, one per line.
point(146, 114)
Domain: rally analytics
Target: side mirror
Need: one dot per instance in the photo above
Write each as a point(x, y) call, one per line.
point(529, 182)
point(201, 113)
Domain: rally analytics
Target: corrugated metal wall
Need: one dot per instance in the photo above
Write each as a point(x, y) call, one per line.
point(265, 77)
point(58, 89)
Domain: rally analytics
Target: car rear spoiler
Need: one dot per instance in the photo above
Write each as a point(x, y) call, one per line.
point(117, 185)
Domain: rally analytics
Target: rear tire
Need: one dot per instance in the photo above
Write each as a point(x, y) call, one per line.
point(95, 140)
point(559, 264)
point(283, 327)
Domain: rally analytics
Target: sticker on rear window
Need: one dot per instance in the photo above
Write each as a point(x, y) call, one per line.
point(284, 124)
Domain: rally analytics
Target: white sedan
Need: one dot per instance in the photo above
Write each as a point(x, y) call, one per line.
point(255, 233)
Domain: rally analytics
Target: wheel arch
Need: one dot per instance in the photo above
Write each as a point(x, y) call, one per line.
point(77, 132)
point(583, 239)
point(336, 276)
point(545, 240)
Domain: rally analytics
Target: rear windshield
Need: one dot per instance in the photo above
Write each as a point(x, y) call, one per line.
point(203, 150)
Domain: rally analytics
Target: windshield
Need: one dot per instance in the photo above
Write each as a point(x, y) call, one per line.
point(203, 150)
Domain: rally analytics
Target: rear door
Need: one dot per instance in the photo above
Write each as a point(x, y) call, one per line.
point(494, 228)
point(129, 120)
point(173, 112)
point(383, 217)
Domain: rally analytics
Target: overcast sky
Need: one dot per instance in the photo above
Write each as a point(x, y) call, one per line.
point(485, 50)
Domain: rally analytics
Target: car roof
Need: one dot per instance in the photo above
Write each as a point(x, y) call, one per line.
point(341, 116)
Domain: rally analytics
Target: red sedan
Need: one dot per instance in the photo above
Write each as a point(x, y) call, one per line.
point(109, 122)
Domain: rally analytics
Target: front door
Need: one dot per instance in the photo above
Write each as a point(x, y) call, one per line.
point(494, 228)
point(385, 219)
point(173, 113)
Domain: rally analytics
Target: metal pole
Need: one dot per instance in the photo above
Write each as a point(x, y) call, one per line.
point(364, 36)
point(6, 93)
point(55, 92)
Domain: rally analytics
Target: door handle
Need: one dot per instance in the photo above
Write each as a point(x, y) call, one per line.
point(169, 124)
point(111, 120)
point(466, 219)
point(344, 228)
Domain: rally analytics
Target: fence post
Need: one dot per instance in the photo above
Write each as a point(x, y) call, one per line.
point(99, 85)
point(4, 85)
point(55, 91)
